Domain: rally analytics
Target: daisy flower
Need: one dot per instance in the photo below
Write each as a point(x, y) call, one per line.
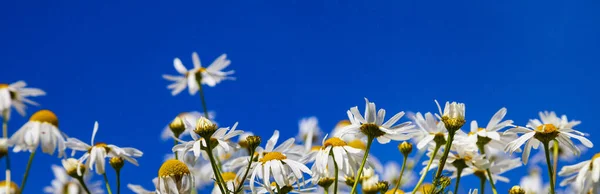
point(232, 181)
point(12, 188)
point(430, 129)
point(211, 75)
point(489, 137)
point(41, 130)
point(96, 154)
point(309, 132)
point(275, 164)
point(496, 169)
point(453, 115)
point(221, 135)
point(391, 173)
point(175, 177)
point(584, 176)
point(335, 149)
point(532, 182)
point(549, 128)
point(188, 120)
point(64, 184)
point(372, 125)
point(464, 157)
point(16, 95)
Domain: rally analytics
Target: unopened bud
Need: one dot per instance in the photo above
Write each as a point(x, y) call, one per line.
point(516, 190)
point(253, 141)
point(117, 163)
point(205, 128)
point(405, 148)
point(177, 126)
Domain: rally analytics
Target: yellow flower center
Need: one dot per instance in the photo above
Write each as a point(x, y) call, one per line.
point(228, 176)
point(3, 86)
point(596, 156)
point(546, 128)
point(391, 191)
point(12, 185)
point(315, 148)
point(334, 141)
point(272, 156)
point(358, 144)
point(426, 188)
point(44, 116)
point(100, 145)
point(173, 167)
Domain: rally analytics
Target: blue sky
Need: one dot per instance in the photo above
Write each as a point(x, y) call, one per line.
point(103, 61)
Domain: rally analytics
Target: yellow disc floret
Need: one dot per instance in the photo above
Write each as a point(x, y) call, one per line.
point(174, 168)
point(334, 141)
point(228, 176)
point(272, 156)
point(45, 116)
point(358, 144)
point(3, 86)
point(546, 128)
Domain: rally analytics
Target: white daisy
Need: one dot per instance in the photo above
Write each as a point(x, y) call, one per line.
point(584, 176)
point(41, 129)
point(97, 153)
point(275, 164)
point(309, 132)
point(532, 183)
point(210, 76)
point(64, 184)
point(221, 135)
point(347, 158)
point(430, 129)
point(489, 137)
point(453, 115)
point(232, 181)
point(189, 119)
point(372, 125)
point(550, 128)
point(496, 168)
point(465, 156)
point(15, 95)
point(174, 177)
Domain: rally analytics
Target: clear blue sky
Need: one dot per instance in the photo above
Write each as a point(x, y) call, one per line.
point(103, 61)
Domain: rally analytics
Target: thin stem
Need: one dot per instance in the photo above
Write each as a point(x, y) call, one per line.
point(174, 144)
point(555, 157)
point(364, 160)
point(401, 173)
point(482, 184)
point(435, 151)
point(547, 151)
point(80, 179)
point(488, 171)
point(335, 183)
point(239, 189)
point(214, 167)
point(458, 174)
point(5, 135)
point(326, 190)
point(27, 171)
point(106, 182)
point(199, 81)
point(440, 169)
point(118, 181)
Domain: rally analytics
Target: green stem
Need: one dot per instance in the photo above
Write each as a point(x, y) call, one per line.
point(214, 167)
point(199, 81)
point(547, 151)
point(442, 163)
point(80, 179)
point(118, 181)
point(482, 184)
point(458, 173)
point(239, 189)
point(401, 173)
point(435, 151)
point(5, 135)
point(174, 144)
point(27, 171)
point(335, 183)
point(326, 190)
point(488, 171)
point(555, 157)
point(106, 183)
point(364, 161)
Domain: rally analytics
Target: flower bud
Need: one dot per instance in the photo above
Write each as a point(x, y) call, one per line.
point(405, 148)
point(383, 186)
point(205, 128)
point(253, 141)
point(325, 182)
point(516, 190)
point(117, 163)
point(177, 126)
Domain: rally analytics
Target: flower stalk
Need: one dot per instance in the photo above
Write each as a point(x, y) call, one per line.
point(435, 151)
point(362, 165)
point(27, 171)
